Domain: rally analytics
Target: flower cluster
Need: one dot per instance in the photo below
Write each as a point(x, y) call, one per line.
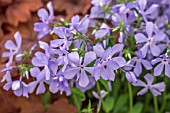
point(124, 40)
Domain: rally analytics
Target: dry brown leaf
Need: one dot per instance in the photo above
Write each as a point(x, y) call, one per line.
point(31, 105)
point(7, 102)
point(61, 106)
point(72, 7)
point(20, 11)
point(26, 29)
point(5, 2)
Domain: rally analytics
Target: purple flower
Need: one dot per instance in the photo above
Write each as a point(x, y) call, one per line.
point(40, 80)
point(102, 94)
point(163, 62)
point(41, 60)
point(150, 42)
point(139, 61)
point(99, 2)
point(105, 65)
point(15, 49)
point(130, 76)
point(63, 42)
point(63, 59)
point(44, 15)
point(91, 84)
point(155, 89)
point(97, 12)
point(19, 88)
point(49, 51)
point(161, 21)
point(79, 25)
point(43, 27)
point(59, 83)
point(79, 67)
point(123, 13)
point(103, 31)
point(7, 77)
point(147, 13)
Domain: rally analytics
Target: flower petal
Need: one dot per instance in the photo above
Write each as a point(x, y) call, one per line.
point(155, 92)
point(149, 29)
point(98, 49)
point(146, 64)
point(138, 69)
point(153, 62)
point(43, 14)
point(149, 79)
point(144, 49)
point(143, 91)
point(159, 86)
point(89, 57)
point(34, 71)
point(10, 45)
point(41, 88)
point(53, 87)
point(32, 86)
point(140, 38)
point(130, 76)
point(139, 83)
point(50, 8)
point(167, 70)
point(18, 39)
point(74, 58)
point(70, 73)
point(112, 65)
point(16, 85)
point(59, 32)
point(84, 80)
point(160, 36)
point(117, 48)
point(151, 9)
point(158, 69)
point(142, 4)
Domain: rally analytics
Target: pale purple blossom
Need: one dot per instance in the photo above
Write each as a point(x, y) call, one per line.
point(43, 28)
point(150, 42)
point(79, 25)
point(19, 87)
point(155, 89)
point(147, 13)
point(14, 49)
point(64, 38)
point(79, 67)
point(163, 63)
point(139, 61)
point(104, 66)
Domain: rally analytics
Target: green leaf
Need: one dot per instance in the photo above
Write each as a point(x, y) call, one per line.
point(105, 84)
point(79, 93)
point(88, 109)
point(120, 103)
point(108, 104)
point(46, 99)
point(116, 87)
point(137, 108)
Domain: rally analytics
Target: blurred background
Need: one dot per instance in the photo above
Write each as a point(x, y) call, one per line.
point(19, 15)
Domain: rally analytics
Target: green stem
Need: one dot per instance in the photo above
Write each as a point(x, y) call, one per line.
point(164, 98)
point(101, 99)
point(164, 102)
point(147, 101)
point(130, 98)
point(155, 104)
